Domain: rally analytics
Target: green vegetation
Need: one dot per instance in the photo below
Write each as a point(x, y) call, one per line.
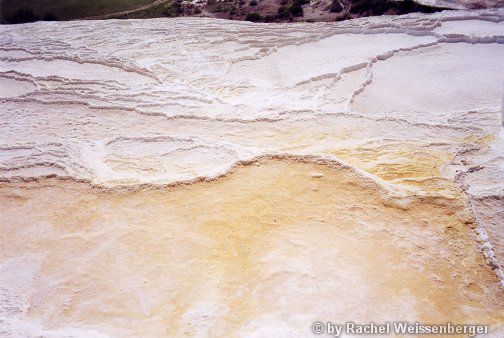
point(231, 7)
point(380, 7)
point(15, 11)
point(157, 11)
point(23, 15)
point(336, 6)
point(288, 10)
point(291, 8)
point(20, 11)
point(171, 8)
point(254, 17)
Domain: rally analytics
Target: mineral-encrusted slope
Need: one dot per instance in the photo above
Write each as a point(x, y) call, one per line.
point(146, 152)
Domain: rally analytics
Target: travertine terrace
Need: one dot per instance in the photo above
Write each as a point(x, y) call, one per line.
point(201, 177)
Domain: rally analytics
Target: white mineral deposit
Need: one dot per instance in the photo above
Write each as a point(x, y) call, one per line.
point(214, 178)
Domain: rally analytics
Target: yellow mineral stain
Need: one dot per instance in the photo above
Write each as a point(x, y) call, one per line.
point(405, 164)
point(391, 162)
point(278, 243)
point(481, 140)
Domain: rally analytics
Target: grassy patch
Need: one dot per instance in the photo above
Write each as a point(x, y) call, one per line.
point(68, 9)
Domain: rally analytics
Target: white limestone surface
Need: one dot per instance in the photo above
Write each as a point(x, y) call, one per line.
point(410, 104)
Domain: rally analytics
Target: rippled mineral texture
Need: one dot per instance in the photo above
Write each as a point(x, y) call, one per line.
point(201, 177)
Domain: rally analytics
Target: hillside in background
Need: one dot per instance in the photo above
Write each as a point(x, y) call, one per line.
point(13, 11)
point(33, 10)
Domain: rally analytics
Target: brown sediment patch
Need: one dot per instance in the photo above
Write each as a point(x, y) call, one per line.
point(276, 244)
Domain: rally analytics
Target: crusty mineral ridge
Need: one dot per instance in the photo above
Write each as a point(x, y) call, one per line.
point(200, 177)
